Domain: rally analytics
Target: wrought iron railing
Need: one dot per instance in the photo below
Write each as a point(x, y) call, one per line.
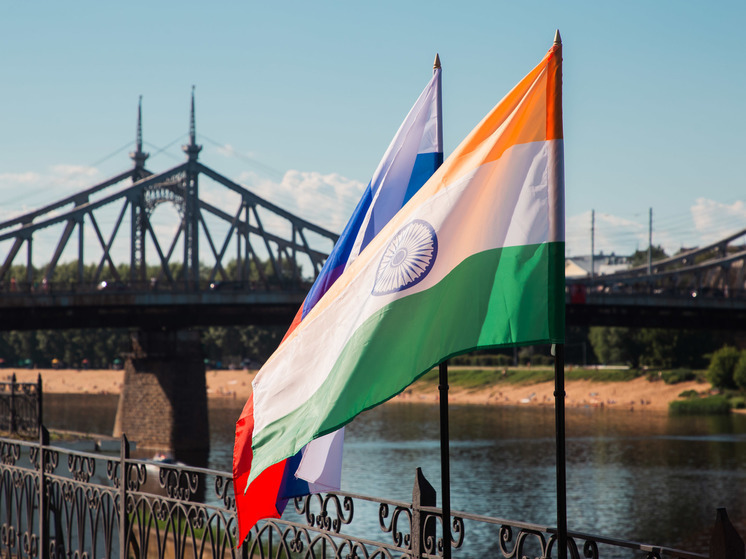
point(21, 407)
point(57, 502)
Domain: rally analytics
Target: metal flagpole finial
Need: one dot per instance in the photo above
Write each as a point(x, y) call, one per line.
point(557, 38)
point(436, 64)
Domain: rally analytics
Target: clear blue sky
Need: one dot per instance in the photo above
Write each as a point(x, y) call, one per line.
point(299, 100)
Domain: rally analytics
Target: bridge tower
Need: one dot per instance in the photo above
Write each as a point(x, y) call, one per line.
point(138, 212)
point(163, 403)
point(191, 207)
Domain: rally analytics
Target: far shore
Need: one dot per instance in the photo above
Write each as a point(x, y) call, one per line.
point(637, 394)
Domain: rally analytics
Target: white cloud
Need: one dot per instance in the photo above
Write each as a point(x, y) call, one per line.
point(77, 175)
point(326, 200)
point(611, 234)
point(27, 191)
point(28, 177)
point(715, 220)
point(708, 222)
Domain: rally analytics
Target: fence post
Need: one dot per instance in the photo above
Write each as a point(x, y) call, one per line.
point(124, 454)
point(13, 426)
point(725, 542)
point(39, 408)
point(43, 497)
point(423, 495)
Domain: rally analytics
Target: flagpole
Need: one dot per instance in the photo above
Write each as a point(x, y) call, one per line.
point(559, 410)
point(445, 447)
point(445, 458)
point(558, 350)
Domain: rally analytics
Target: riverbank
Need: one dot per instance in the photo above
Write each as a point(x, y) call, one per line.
point(635, 394)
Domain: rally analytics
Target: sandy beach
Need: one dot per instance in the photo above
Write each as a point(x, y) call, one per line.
point(637, 394)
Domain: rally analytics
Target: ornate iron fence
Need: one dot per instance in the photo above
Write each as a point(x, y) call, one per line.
point(21, 407)
point(57, 502)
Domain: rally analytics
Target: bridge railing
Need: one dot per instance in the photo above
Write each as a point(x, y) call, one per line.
point(578, 291)
point(41, 289)
point(56, 501)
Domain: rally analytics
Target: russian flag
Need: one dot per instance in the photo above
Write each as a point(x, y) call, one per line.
point(412, 157)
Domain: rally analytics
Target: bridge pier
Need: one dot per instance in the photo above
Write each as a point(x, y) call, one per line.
point(163, 402)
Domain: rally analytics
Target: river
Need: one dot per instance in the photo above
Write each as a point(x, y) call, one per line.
point(641, 476)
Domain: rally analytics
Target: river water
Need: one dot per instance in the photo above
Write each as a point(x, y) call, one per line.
point(641, 476)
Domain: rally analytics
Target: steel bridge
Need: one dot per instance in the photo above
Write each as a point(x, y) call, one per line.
point(699, 288)
point(262, 258)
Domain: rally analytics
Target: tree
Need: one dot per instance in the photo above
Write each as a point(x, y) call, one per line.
point(651, 347)
point(615, 345)
point(722, 366)
point(640, 257)
point(739, 373)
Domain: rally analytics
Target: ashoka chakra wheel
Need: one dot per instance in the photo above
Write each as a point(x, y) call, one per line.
point(408, 258)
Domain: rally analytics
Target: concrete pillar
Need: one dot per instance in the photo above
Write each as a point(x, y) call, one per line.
point(163, 403)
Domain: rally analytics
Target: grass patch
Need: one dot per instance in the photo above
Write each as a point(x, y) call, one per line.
point(478, 378)
point(710, 405)
point(603, 375)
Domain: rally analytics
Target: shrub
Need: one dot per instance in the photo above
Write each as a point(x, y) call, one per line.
point(739, 372)
point(722, 366)
point(678, 375)
point(712, 405)
point(738, 403)
point(689, 394)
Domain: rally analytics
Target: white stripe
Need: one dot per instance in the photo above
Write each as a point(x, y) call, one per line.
point(504, 203)
point(321, 465)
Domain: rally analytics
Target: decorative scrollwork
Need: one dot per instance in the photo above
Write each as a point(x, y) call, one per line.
point(223, 486)
point(10, 453)
point(506, 537)
point(399, 538)
point(457, 532)
point(590, 549)
point(135, 476)
point(51, 458)
point(82, 468)
point(178, 483)
point(343, 511)
point(112, 472)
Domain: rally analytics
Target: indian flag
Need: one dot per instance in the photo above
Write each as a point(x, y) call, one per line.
point(474, 260)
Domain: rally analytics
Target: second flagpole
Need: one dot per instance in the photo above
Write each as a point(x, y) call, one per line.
point(445, 458)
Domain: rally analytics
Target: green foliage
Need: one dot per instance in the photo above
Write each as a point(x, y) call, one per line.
point(603, 375)
point(711, 405)
point(99, 346)
point(689, 394)
point(739, 372)
point(640, 257)
point(650, 347)
point(233, 344)
point(483, 360)
point(615, 345)
point(722, 367)
point(738, 402)
point(678, 375)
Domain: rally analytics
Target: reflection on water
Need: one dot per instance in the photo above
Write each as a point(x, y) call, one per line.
point(641, 476)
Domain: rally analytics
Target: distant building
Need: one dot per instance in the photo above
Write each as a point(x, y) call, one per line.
point(580, 266)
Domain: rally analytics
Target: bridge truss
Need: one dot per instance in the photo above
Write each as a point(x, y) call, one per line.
point(699, 288)
point(266, 247)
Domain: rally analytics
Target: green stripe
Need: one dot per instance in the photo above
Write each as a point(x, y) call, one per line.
point(503, 297)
